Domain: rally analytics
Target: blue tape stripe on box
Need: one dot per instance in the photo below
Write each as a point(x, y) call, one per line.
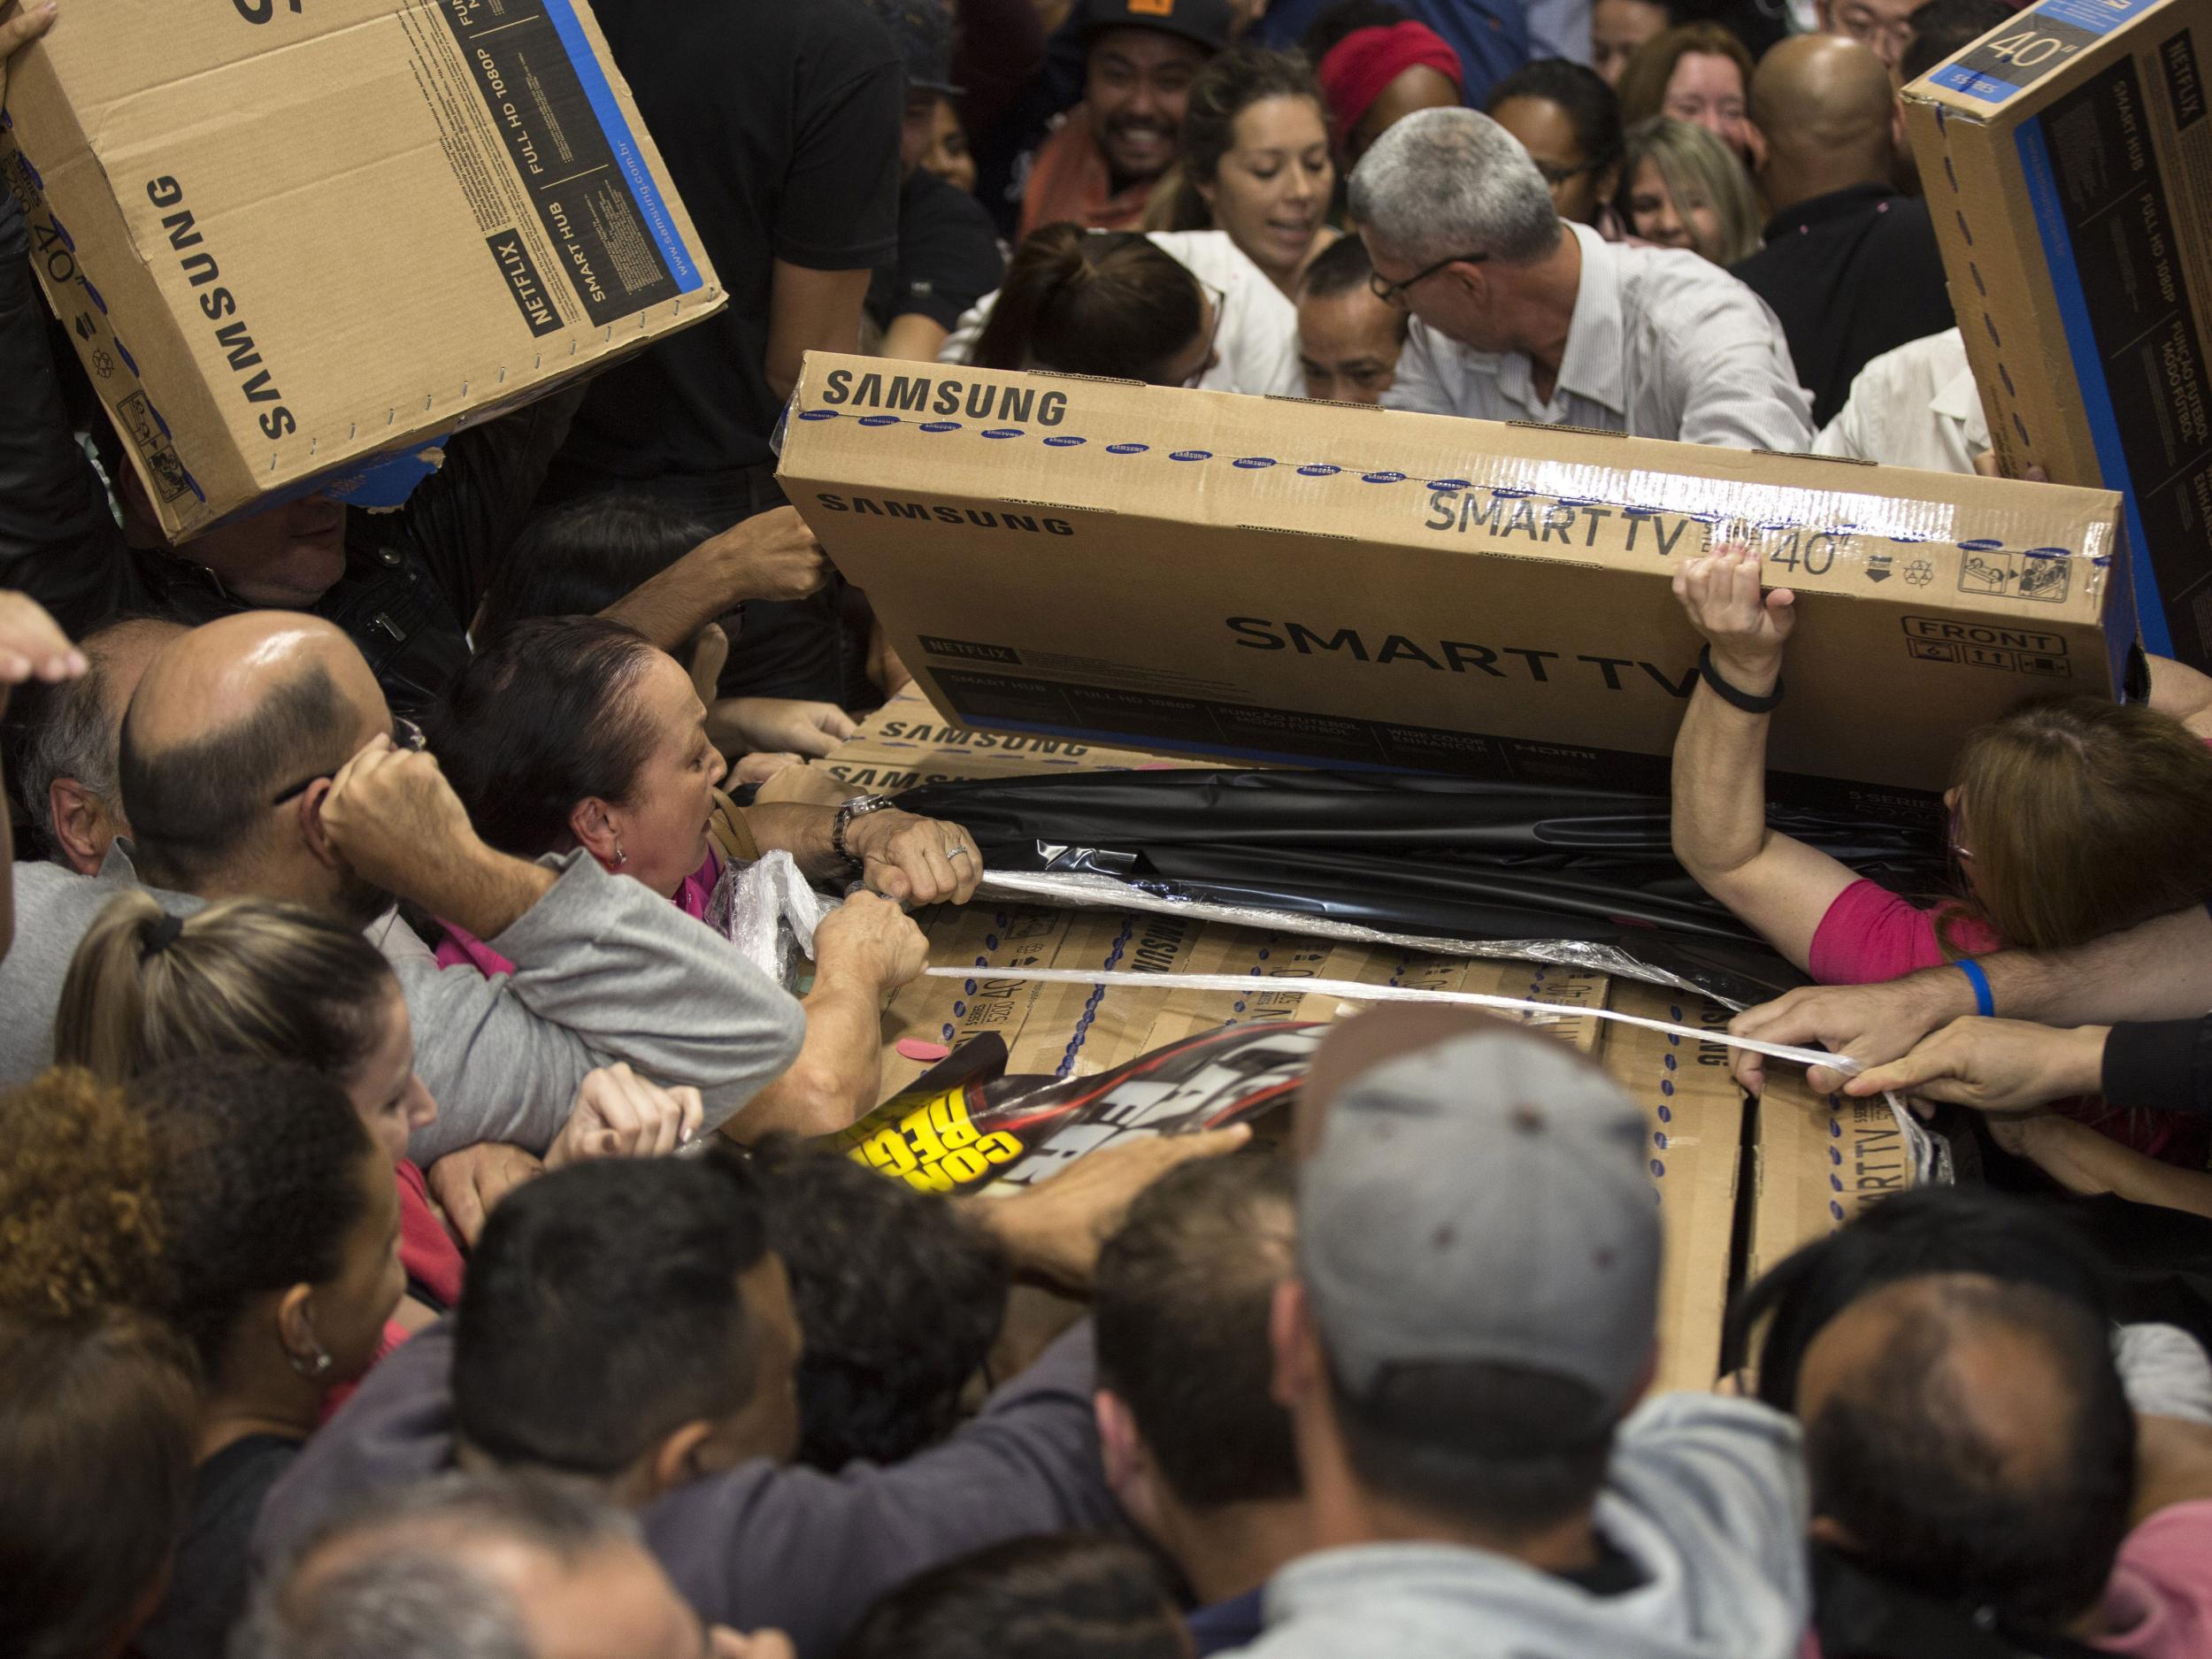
point(609, 110)
point(2096, 393)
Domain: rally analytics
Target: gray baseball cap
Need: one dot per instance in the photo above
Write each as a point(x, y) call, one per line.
point(1483, 1199)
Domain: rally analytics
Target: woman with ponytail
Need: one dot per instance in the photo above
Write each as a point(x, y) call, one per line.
point(1168, 308)
point(254, 977)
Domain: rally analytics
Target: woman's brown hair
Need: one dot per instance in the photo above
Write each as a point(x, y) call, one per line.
point(2081, 817)
point(99, 1420)
point(245, 977)
point(1232, 83)
point(1105, 302)
point(1643, 86)
point(79, 1223)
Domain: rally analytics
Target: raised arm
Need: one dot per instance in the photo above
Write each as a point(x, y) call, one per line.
point(605, 971)
point(769, 555)
point(1775, 884)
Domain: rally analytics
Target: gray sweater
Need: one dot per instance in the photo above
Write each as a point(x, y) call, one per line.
point(1705, 1495)
point(605, 970)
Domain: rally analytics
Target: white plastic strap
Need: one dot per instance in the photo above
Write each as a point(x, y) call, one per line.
point(1355, 991)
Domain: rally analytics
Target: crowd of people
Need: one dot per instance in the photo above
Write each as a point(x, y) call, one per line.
point(418, 1237)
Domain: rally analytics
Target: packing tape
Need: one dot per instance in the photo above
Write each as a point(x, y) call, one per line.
point(1353, 991)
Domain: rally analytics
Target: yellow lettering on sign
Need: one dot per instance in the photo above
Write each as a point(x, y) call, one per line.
point(935, 1147)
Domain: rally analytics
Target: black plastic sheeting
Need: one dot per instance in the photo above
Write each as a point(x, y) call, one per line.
point(1415, 853)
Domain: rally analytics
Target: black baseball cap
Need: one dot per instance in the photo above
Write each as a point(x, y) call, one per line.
point(1207, 22)
point(923, 29)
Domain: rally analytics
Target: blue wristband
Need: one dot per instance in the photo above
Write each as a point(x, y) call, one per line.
point(1984, 1004)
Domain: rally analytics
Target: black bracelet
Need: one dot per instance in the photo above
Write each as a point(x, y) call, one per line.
point(1734, 694)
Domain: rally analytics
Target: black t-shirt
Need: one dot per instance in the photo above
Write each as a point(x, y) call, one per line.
point(779, 120)
point(207, 1589)
point(949, 256)
point(1852, 274)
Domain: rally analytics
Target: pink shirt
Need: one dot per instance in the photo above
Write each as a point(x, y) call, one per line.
point(2158, 1602)
point(1871, 934)
point(461, 948)
point(427, 1251)
point(426, 1246)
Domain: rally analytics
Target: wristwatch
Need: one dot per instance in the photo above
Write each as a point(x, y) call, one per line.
point(859, 806)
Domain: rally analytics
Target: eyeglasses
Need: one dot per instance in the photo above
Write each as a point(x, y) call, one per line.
point(405, 734)
point(1395, 293)
point(1220, 304)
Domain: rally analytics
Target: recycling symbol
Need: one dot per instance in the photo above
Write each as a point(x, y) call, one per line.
point(103, 364)
point(1920, 572)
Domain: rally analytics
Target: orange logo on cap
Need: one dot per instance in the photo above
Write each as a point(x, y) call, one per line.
point(1152, 8)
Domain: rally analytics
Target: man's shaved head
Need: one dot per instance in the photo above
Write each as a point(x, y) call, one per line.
point(1970, 1439)
point(1825, 98)
point(226, 716)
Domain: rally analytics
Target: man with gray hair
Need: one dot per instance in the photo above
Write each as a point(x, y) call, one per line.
point(491, 1566)
point(66, 770)
point(1473, 1317)
point(1520, 316)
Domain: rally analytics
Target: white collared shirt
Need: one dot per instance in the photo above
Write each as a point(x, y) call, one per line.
point(1916, 406)
point(1255, 344)
point(1662, 344)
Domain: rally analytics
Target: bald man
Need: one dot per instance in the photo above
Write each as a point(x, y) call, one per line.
point(1968, 1441)
point(259, 758)
point(1850, 266)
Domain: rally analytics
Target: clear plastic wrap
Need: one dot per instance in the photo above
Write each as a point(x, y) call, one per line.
point(1097, 892)
point(767, 910)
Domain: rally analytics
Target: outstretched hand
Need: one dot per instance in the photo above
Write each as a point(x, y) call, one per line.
point(1994, 1065)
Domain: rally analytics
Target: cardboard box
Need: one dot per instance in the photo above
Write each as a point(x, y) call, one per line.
point(2068, 164)
point(1265, 579)
point(907, 743)
point(1695, 1112)
point(1817, 1161)
point(287, 238)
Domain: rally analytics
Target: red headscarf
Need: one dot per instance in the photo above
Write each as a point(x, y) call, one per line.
point(1357, 68)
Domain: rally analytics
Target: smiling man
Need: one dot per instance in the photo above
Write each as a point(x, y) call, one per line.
point(1098, 167)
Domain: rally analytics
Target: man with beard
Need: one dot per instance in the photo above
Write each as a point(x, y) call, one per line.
point(1139, 56)
point(260, 758)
